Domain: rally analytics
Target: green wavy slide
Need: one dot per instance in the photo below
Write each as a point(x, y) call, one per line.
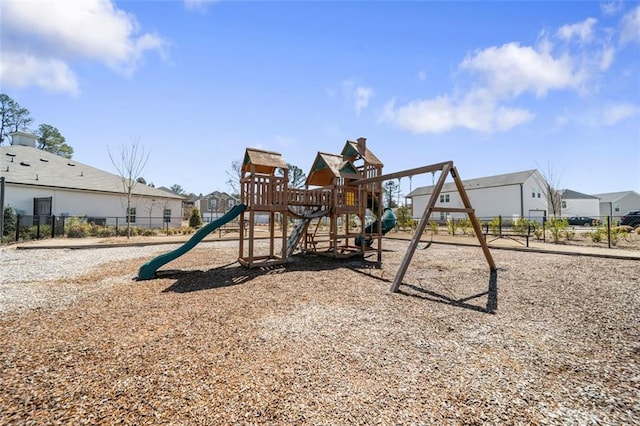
point(148, 270)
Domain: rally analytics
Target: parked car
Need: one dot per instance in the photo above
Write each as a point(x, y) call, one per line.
point(583, 221)
point(631, 218)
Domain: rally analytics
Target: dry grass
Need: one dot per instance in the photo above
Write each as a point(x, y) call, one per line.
point(321, 341)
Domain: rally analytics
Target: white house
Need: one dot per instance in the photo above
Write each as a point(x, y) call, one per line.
point(578, 204)
point(512, 195)
point(37, 182)
point(616, 204)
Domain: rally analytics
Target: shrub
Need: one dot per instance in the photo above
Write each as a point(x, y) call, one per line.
point(522, 226)
point(105, 231)
point(195, 220)
point(434, 227)
point(494, 226)
point(465, 226)
point(148, 232)
point(9, 224)
point(77, 228)
point(556, 226)
point(452, 226)
point(597, 234)
point(404, 218)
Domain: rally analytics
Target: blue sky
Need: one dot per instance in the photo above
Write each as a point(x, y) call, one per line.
point(496, 87)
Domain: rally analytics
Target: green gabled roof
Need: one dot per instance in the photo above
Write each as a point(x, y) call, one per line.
point(327, 167)
point(351, 150)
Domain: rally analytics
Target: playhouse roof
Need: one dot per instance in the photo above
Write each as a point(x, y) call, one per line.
point(327, 167)
point(352, 151)
point(265, 162)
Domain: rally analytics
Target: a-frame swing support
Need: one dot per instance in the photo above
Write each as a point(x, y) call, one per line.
point(446, 168)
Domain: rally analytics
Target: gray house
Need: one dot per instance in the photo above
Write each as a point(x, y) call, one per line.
point(616, 204)
point(39, 183)
point(575, 203)
point(215, 204)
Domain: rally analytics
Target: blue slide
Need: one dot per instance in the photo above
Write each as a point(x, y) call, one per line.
point(148, 270)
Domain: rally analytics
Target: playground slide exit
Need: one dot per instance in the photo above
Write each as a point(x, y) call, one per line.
point(148, 270)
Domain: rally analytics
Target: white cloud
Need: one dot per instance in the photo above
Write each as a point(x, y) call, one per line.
point(476, 111)
point(611, 8)
point(47, 73)
point(511, 69)
point(363, 95)
point(57, 32)
point(359, 96)
point(197, 5)
point(422, 76)
point(615, 113)
point(583, 31)
point(630, 27)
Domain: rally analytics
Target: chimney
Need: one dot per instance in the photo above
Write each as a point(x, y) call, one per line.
point(362, 145)
point(22, 138)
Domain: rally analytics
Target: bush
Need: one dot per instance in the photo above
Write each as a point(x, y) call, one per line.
point(597, 234)
point(195, 220)
point(77, 228)
point(9, 225)
point(494, 226)
point(465, 226)
point(404, 218)
point(434, 227)
point(556, 226)
point(147, 232)
point(105, 231)
point(452, 226)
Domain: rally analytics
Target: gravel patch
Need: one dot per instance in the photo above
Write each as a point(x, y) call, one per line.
point(322, 341)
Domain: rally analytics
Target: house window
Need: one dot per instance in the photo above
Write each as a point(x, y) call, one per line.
point(166, 215)
point(564, 204)
point(533, 194)
point(213, 204)
point(131, 215)
point(443, 215)
point(538, 195)
point(231, 202)
point(444, 198)
point(616, 207)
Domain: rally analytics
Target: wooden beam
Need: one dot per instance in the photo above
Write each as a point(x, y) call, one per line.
point(451, 210)
point(472, 216)
point(421, 226)
point(404, 173)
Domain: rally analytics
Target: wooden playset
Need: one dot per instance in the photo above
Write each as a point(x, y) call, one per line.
point(329, 215)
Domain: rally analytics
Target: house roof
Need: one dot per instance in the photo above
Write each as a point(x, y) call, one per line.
point(507, 179)
point(27, 165)
point(612, 197)
point(265, 161)
point(567, 194)
point(326, 167)
point(352, 150)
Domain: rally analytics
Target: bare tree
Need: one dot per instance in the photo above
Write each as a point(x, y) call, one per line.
point(550, 186)
point(235, 174)
point(129, 164)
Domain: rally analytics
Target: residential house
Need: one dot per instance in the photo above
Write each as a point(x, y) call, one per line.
point(575, 203)
point(512, 195)
point(215, 205)
point(616, 204)
point(39, 183)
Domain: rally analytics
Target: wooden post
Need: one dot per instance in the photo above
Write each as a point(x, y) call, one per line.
point(423, 223)
point(472, 216)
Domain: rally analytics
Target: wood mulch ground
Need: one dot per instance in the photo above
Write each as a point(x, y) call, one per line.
point(322, 341)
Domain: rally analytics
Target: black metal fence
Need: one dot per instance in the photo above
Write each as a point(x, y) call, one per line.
point(599, 229)
point(26, 227)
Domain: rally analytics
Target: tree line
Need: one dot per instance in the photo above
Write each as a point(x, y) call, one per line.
point(16, 118)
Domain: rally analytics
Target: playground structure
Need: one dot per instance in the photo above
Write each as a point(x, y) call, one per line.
point(337, 214)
